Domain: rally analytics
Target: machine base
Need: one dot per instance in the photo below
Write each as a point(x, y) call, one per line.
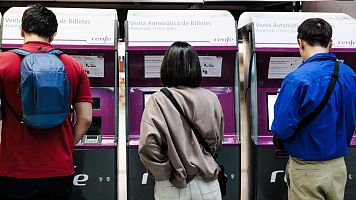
point(269, 177)
point(96, 174)
point(140, 185)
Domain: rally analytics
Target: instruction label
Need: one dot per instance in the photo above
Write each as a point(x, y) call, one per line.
point(210, 66)
point(152, 66)
point(280, 67)
point(93, 65)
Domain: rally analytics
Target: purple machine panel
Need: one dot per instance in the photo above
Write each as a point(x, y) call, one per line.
point(103, 124)
point(136, 106)
point(139, 86)
point(266, 87)
point(101, 133)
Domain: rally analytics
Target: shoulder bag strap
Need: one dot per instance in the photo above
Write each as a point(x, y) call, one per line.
point(310, 117)
point(196, 132)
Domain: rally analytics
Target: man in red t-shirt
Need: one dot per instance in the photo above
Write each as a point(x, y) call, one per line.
point(38, 164)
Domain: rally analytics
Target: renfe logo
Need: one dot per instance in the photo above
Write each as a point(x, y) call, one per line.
point(80, 179)
point(274, 176)
point(144, 178)
point(103, 39)
point(348, 43)
point(222, 40)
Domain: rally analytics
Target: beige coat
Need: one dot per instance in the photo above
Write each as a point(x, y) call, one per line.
point(168, 148)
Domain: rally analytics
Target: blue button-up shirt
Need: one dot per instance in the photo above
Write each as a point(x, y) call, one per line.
point(329, 134)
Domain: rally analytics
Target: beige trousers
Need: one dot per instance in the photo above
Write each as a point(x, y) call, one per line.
point(197, 189)
point(316, 180)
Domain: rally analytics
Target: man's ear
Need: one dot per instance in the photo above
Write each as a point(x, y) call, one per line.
point(301, 43)
point(22, 32)
point(330, 44)
point(51, 38)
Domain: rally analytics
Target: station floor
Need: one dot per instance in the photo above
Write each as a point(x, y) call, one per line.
point(245, 142)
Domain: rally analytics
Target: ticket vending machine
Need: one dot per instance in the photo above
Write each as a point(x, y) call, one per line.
point(213, 35)
point(270, 51)
point(90, 36)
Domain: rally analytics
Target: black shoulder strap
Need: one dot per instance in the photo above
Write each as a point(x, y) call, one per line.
point(170, 96)
point(18, 117)
point(310, 117)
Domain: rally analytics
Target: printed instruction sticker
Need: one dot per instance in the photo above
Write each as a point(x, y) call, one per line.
point(93, 65)
point(152, 66)
point(280, 67)
point(210, 66)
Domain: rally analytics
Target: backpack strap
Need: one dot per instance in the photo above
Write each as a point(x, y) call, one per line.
point(55, 52)
point(21, 52)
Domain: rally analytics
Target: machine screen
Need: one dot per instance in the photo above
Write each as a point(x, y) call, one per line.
point(95, 127)
point(96, 103)
point(271, 99)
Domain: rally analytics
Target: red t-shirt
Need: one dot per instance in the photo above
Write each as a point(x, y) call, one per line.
point(31, 153)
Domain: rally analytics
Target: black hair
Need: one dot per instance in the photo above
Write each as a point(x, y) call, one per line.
point(181, 66)
point(315, 31)
point(39, 20)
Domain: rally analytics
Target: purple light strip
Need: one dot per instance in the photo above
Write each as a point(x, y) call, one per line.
point(17, 39)
point(141, 48)
point(60, 46)
point(279, 49)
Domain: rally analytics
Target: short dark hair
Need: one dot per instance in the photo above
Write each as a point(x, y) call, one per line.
point(181, 66)
point(315, 31)
point(39, 20)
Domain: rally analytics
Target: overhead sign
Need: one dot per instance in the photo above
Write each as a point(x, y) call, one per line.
point(154, 28)
point(76, 27)
point(280, 29)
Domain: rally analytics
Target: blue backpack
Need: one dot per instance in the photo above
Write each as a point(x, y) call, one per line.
point(44, 89)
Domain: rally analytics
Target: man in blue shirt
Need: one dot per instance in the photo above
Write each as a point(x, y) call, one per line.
point(316, 168)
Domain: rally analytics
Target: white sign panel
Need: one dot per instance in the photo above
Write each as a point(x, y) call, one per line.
point(76, 26)
point(93, 65)
point(210, 66)
point(152, 66)
point(280, 29)
point(280, 67)
point(163, 27)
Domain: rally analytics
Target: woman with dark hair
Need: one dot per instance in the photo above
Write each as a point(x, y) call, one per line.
point(168, 148)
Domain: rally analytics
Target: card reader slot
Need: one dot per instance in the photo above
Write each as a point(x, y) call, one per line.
point(95, 127)
point(93, 135)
